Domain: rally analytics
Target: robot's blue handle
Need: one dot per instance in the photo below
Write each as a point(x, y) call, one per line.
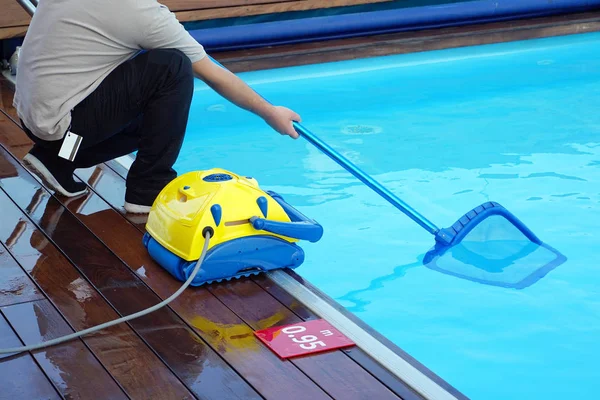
point(301, 227)
point(304, 230)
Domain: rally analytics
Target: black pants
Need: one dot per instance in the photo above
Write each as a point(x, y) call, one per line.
point(142, 105)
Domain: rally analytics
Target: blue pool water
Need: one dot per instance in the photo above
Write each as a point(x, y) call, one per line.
point(515, 123)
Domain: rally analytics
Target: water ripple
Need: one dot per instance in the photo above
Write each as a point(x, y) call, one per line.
point(554, 175)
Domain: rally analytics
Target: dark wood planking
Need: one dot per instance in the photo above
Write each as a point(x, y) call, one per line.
point(15, 286)
point(336, 373)
point(71, 366)
point(7, 170)
point(226, 333)
point(16, 140)
point(356, 353)
point(8, 338)
point(119, 349)
point(109, 185)
point(20, 376)
point(198, 366)
point(7, 90)
point(407, 42)
point(271, 8)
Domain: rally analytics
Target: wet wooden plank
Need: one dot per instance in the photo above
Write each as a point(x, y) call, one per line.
point(20, 376)
point(71, 366)
point(334, 371)
point(107, 183)
point(198, 366)
point(15, 286)
point(110, 187)
point(119, 348)
point(8, 338)
point(15, 139)
point(7, 170)
point(7, 91)
point(218, 325)
point(356, 353)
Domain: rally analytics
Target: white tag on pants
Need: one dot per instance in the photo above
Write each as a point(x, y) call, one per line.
point(70, 146)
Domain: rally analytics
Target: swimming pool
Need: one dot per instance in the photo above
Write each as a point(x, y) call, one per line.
point(447, 130)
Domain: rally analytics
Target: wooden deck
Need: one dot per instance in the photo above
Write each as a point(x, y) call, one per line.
point(69, 264)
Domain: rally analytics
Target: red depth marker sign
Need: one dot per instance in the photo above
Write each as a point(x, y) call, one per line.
point(303, 338)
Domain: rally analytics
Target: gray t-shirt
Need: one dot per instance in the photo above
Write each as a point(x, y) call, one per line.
point(72, 45)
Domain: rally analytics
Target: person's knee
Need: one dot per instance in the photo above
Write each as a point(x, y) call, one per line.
point(177, 62)
point(182, 63)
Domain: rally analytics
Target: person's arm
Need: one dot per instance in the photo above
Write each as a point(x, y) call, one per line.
point(239, 93)
point(158, 28)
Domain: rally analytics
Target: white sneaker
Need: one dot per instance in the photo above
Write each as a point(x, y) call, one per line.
point(137, 209)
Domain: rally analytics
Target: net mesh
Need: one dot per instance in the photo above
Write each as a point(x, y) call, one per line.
point(496, 252)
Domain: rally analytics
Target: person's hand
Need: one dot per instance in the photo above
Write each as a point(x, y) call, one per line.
point(281, 119)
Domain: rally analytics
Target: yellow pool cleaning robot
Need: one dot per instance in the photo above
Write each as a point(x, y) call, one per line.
point(251, 230)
